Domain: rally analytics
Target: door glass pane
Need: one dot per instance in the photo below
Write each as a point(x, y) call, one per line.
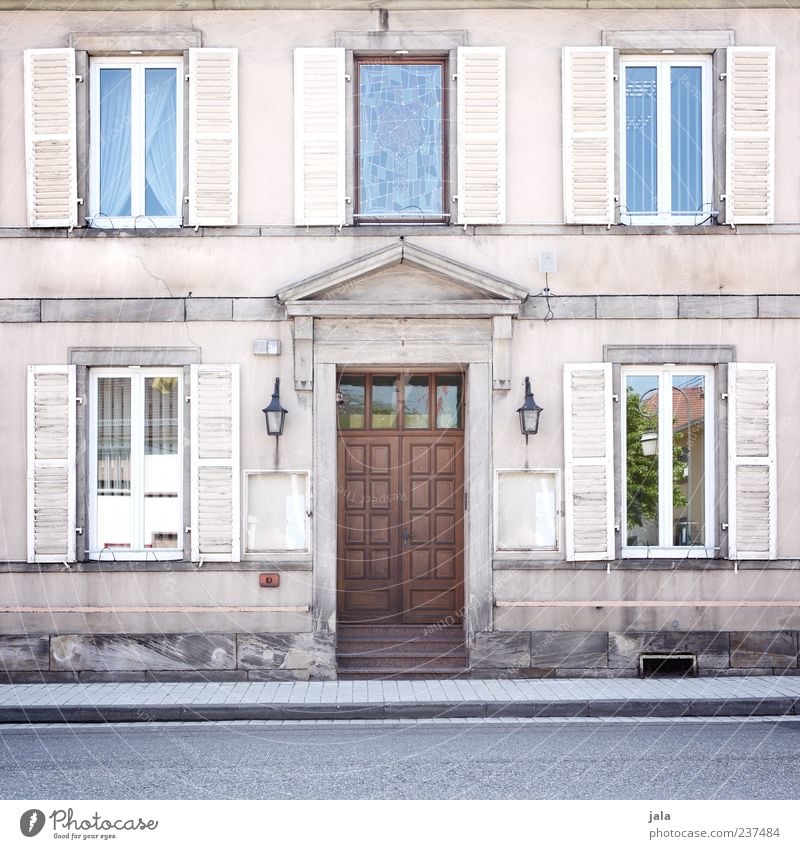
point(276, 512)
point(400, 160)
point(416, 412)
point(688, 464)
point(641, 140)
point(161, 462)
point(448, 401)
point(115, 141)
point(642, 440)
point(686, 92)
point(352, 397)
point(160, 107)
point(384, 402)
point(114, 506)
point(526, 510)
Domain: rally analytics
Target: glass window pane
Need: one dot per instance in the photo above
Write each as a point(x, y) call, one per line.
point(160, 140)
point(276, 512)
point(688, 463)
point(161, 462)
point(448, 401)
point(384, 402)
point(352, 397)
point(526, 510)
point(115, 141)
point(401, 157)
point(641, 140)
point(114, 507)
point(416, 412)
point(643, 438)
point(686, 92)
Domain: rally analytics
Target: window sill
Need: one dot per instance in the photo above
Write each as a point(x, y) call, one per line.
point(137, 224)
point(126, 555)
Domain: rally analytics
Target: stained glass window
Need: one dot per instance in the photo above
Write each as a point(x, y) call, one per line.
point(400, 139)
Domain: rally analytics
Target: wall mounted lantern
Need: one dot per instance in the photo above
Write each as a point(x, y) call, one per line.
point(649, 442)
point(274, 413)
point(529, 413)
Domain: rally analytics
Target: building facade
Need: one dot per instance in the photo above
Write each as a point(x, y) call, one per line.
point(391, 219)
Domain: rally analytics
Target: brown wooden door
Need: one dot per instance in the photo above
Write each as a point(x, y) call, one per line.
point(401, 500)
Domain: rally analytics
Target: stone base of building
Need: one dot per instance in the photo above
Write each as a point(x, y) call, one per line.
point(600, 654)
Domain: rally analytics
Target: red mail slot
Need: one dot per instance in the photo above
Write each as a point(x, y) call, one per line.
point(271, 579)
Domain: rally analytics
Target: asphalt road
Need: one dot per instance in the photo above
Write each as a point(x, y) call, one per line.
point(674, 760)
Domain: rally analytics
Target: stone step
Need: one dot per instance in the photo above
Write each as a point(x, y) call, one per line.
point(395, 675)
point(400, 632)
point(410, 663)
point(407, 647)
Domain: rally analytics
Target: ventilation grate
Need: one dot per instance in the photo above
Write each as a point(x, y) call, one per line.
point(667, 666)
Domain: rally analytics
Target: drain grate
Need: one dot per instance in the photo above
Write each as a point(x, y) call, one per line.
point(667, 666)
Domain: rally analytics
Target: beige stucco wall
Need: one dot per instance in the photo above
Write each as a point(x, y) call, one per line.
point(533, 39)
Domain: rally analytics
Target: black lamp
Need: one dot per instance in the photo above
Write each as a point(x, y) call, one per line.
point(529, 413)
point(274, 413)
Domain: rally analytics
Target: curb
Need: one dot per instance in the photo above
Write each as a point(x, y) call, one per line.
point(402, 710)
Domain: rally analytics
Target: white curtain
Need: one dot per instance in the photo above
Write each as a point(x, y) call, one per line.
point(160, 141)
point(115, 141)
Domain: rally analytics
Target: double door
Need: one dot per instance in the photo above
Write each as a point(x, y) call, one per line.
point(401, 499)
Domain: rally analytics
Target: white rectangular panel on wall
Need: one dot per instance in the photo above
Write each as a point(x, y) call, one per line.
point(213, 136)
point(51, 464)
point(588, 129)
point(215, 463)
point(750, 144)
point(319, 136)
point(589, 461)
point(752, 525)
point(481, 108)
point(50, 138)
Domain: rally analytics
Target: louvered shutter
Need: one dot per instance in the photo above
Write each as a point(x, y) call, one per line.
point(481, 96)
point(319, 138)
point(589, 461)
point(750, 145)
point(752, 490)
point(213, 136)
point(215, 462)
point(51, 464)
point(588, 127)
point(50, 140)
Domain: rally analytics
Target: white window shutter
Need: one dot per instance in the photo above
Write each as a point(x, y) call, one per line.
point(588, 127)
point(589, 461)
point(481, 102)
point(50, 140)
point(752, 527)
point(750, 144)
point(319, 136)
point(51, 464)
point(215, 463)
point(213, 136)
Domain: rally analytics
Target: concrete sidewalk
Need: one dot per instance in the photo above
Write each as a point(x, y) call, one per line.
point(198, 701)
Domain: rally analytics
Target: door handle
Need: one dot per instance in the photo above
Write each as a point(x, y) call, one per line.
point(405, 536)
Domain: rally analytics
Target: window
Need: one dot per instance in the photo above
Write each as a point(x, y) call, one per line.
point(668, 461)
point(277, 509)
point(665, 171)
point(136, 142)
point(400, 137)
point(526, 509)
point(137, 463)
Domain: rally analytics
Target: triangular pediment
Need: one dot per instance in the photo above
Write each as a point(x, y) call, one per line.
point(407, 279)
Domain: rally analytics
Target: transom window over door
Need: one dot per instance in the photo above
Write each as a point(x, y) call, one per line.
point(668, 461)
point(137, 461)
point(136, 142)
point(400, 138)
point(666, 164)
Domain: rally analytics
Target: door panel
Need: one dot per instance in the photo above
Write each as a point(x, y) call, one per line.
point(401, 522)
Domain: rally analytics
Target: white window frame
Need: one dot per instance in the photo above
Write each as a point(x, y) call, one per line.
point(664, 63)
point(556, 475)
point(138, 218)
point(284, 553)
point(137, 377)
point(665, 492)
